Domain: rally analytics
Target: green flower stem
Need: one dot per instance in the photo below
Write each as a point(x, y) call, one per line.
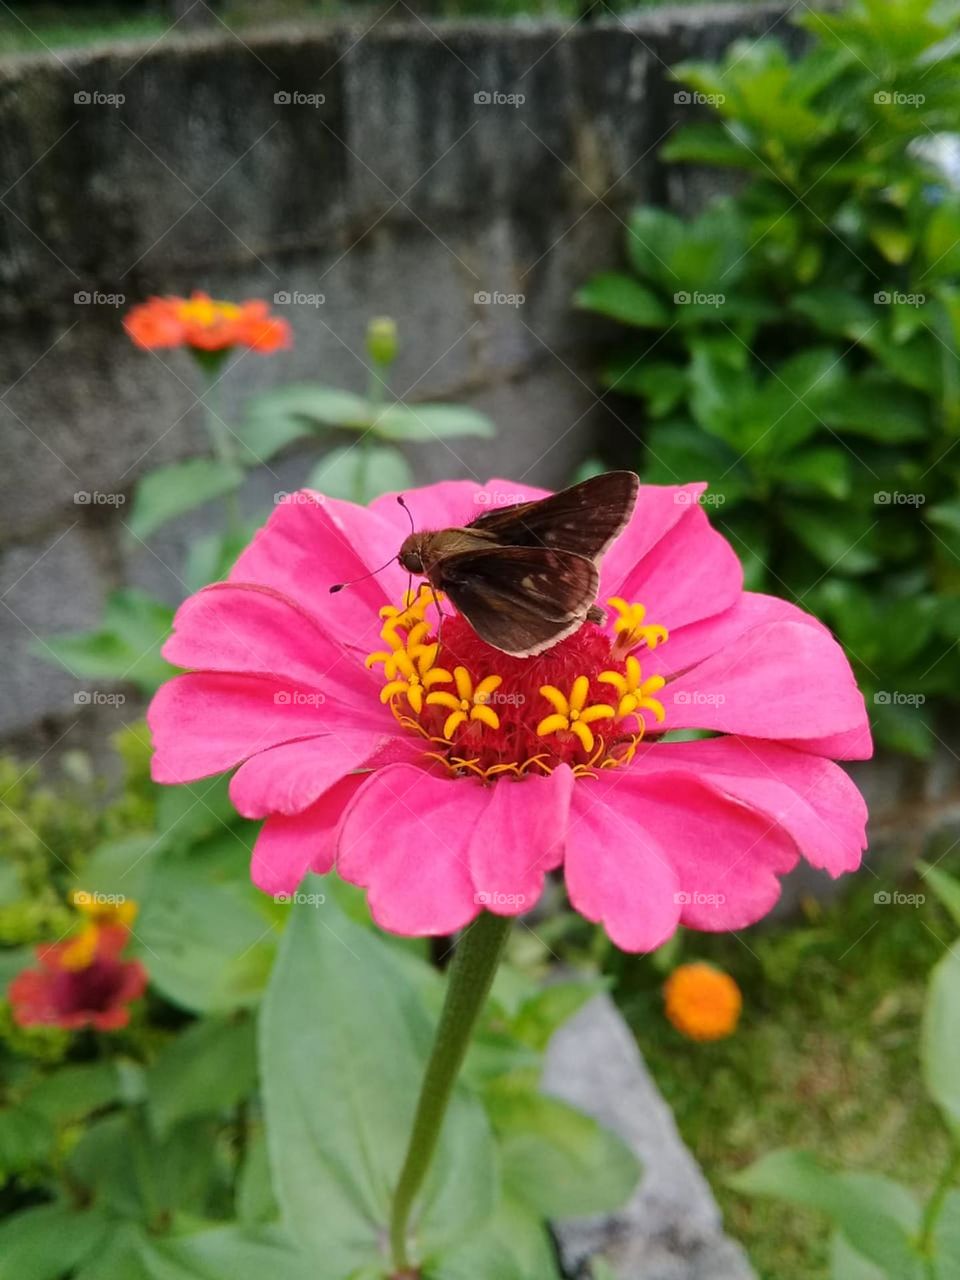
point(221, 442)
point(468, 985)
point(934, 1205)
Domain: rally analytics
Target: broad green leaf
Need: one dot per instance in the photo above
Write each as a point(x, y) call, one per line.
point(512, 1245)
point(74, 1090)
point(622, 298)
point(121, 1258)
point(308, 404)
point(879, 409)
point(125, 647)
point(946, 887)
point(48, 1242)
point(878, 1217)
point(120, 867)
point(168, 492)
point(820, 470)
point(190, 813)
point(26, 1139)
point(847, 1264)
point(838, 538)
point(430, 422)
point(558, 1160)
point(229, 1253)
point(361, 472)
point(256, 1202)
point(208, 946)
point(713, 144)
point(540, 1015)
point(946, 1238)
point(940, 1043)
point(339, 1110)
point(662, 385)
point(204, 1070)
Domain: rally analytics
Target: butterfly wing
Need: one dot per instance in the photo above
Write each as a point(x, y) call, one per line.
point(521, 600)
point(584, 518)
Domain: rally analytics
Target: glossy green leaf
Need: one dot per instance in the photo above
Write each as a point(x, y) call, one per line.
point(417, 422)
point(48, 1242)
point(622, 298)
point(126, 647)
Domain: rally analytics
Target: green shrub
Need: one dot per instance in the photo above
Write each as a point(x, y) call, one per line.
point(800, 336)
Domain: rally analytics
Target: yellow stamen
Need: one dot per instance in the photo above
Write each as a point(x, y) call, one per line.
point(415, 673)
point(469, 702)
point(410, 644)
point(631, 631)
point(635, 693)
point(571, 714)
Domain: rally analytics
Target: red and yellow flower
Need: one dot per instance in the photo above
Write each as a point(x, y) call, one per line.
point(205, 324)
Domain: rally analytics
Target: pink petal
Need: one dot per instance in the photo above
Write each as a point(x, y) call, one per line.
point(727, 858)
point(659, 508)
point(618, 872)
point(290, 777)
point(204, 723)
point(811, 798)
point(691, 643)
point(406, 840)
point(254, 630)
point(452, 503)
point(691, 573)
point(287, 848)
point(311, 542)
point(518, 839)
point(780, 680)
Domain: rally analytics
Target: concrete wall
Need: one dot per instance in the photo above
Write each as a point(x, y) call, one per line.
point(400, 193)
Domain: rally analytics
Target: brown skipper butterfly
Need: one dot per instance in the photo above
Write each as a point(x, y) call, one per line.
point(527, 575)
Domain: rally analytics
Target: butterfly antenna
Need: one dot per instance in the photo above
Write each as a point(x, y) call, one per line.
point(400, 499)
point(338, 586)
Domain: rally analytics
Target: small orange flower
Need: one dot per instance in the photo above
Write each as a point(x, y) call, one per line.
point(205, 324)
point(702, 1002)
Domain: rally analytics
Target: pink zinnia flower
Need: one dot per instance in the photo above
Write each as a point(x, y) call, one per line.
point(446, 777)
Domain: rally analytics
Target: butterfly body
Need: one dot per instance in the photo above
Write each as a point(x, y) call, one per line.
point(526, 576)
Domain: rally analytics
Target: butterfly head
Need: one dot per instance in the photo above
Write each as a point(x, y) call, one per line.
point(411, 553)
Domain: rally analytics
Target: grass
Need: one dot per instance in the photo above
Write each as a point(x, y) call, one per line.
point(826, 1058)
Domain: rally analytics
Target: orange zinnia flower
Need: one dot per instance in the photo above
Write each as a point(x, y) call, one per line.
point(82, 982)
point(702, 1002)
point(205, 324)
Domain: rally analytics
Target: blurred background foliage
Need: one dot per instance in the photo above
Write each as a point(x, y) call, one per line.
point(798, 337)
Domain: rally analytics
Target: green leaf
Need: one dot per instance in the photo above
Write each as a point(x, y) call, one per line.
point(878, 1217)
point(513, 1245)
point(208, 945)
point(205, 1070)
point(946, 887)
point(307, 404)
point(401, 422)
point(555, 1158)
point(48, 1242)
point(169, 492)
point(847, 1264)
point(361, 472)
point(836, 312)
point(946, 1238)
point(126, 646)
point(838, 538)
point(822, 470)
point(256, 1202)
point(702, 143)
point(230, 1253)
point(940, 1042)
point(73, 1091)
point(190, 813)
point(879, 409)
point(26, 1140)
point(540, 1016)
point(662, 385)
point(339, 1110)
point(622, 298)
